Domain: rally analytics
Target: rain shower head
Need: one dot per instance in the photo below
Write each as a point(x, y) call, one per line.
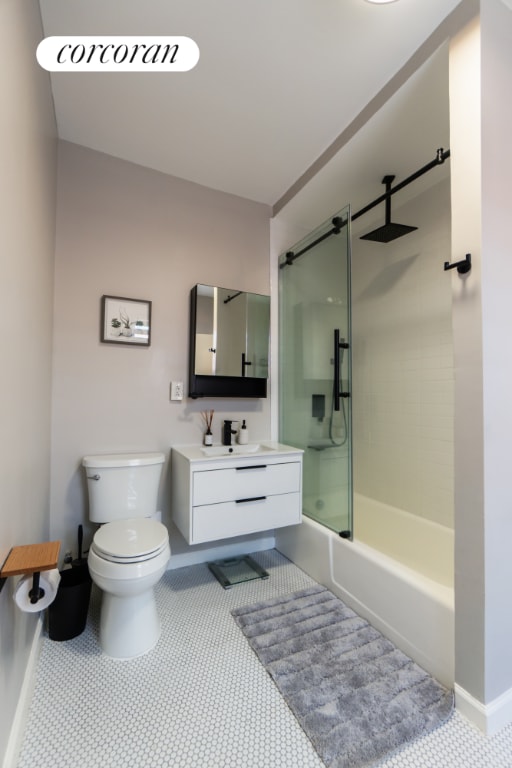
point(389, 230)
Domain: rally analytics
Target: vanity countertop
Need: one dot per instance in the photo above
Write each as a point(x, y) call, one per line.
point(262, 448)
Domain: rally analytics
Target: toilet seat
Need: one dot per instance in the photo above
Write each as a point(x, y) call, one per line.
point(128, 541)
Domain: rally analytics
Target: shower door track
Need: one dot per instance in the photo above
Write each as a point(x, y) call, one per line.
point(339, 223)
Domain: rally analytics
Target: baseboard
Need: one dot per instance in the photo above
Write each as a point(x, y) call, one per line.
point(489, 718)
point(195, 556)
point(20, 717)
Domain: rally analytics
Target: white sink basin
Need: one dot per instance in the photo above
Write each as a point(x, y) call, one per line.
point(233, 450)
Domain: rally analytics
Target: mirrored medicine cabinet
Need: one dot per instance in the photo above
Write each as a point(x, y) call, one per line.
point(229, 342)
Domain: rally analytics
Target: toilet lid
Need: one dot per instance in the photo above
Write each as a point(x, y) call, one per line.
point(130, 540)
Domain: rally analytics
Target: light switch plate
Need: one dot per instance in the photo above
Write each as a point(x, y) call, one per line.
point(176, 390)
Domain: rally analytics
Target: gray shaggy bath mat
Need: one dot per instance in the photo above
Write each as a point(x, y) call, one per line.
point(356, 696)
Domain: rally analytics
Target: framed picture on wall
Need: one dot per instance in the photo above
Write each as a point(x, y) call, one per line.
point(125, 321)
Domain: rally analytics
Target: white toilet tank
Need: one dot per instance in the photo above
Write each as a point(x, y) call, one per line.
point(122, 485)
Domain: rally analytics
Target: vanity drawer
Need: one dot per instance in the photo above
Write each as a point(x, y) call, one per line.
point(222, 521)
point(254, 479)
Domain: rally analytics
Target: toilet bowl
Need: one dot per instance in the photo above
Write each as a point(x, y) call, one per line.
point(129, 554)
point(126, 571)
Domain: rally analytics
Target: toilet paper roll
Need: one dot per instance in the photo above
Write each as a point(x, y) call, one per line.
point(48, 580)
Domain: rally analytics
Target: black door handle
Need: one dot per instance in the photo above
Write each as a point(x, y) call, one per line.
point(337, 346)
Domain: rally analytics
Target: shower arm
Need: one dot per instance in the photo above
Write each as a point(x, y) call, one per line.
point(388, 180)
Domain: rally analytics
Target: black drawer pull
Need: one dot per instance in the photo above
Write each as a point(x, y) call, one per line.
point(252, 466)
point(253, 498)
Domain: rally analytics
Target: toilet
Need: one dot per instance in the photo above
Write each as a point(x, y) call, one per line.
point(130, 549)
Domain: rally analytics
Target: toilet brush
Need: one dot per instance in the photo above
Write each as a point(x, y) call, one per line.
point(80, 562)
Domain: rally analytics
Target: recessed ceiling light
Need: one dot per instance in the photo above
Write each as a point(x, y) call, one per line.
point(378, 2)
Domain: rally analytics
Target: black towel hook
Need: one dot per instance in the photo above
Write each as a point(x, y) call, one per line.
point(463, 266)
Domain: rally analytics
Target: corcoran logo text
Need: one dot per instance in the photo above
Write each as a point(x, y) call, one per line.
point(117, 54)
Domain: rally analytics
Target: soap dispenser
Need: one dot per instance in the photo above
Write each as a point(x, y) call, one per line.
point(243, 434)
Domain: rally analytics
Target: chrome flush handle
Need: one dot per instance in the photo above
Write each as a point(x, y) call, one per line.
point(93, 477)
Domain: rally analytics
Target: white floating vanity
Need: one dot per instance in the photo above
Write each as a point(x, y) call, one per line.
point(224, 491)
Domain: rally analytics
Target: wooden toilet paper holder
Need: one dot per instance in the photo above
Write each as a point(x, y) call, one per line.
point(31, 558)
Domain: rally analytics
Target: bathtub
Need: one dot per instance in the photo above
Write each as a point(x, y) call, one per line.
point(410, 600)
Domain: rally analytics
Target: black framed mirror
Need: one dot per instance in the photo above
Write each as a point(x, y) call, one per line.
point(229, 342)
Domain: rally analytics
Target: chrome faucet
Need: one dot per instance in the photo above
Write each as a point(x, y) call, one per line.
point(227, 431)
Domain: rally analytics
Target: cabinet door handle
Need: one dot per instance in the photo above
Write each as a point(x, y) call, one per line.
point(252, 498)
point(253, 466)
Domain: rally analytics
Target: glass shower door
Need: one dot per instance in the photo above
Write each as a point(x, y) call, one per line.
point(314, 368)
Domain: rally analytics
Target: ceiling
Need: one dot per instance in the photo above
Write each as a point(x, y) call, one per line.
point(276, 83)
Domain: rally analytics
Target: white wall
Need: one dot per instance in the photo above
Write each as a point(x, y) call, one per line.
point(465, 127)
point(124, 230)
point(482, 114)
point(27, 218)
point(496, 41)
point(402, 362)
